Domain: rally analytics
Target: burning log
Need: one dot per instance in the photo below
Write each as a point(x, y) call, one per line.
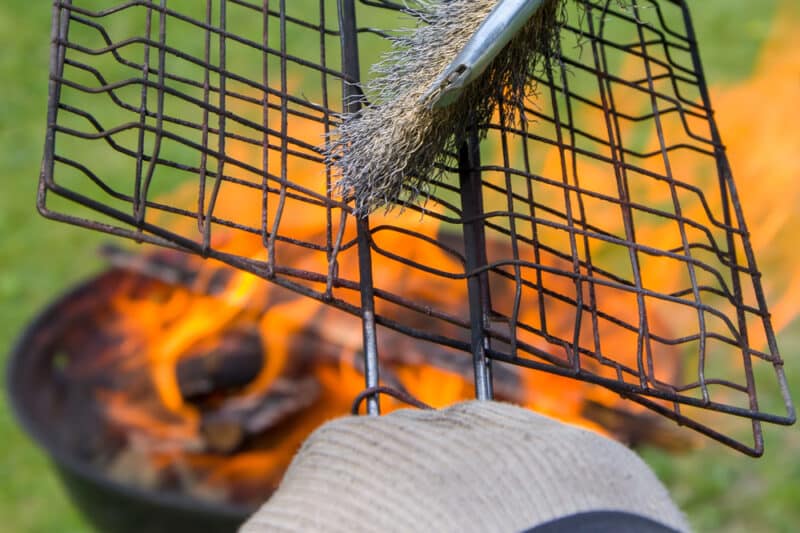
point(226, 429)
point(235, 359)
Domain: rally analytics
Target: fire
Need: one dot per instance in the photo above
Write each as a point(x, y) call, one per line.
point(303, 341)
point(166, 324)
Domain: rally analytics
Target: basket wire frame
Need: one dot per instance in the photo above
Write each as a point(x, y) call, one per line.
point(557, 226)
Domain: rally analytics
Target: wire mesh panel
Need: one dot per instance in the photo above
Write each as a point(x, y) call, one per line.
point(595, 234)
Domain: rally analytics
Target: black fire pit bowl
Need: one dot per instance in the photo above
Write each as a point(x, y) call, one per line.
point(39, 400)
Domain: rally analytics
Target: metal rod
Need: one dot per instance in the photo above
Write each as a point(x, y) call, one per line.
point(476, 261)
point(352, 103)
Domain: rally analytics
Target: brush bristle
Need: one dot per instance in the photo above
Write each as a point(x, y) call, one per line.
point(391, 151)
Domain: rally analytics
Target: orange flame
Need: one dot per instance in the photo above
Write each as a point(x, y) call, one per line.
point(758, 120)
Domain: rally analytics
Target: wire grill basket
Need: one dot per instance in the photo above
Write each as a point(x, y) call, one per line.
point(598, 236)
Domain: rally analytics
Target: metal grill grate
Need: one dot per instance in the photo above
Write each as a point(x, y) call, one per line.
point(599, 236)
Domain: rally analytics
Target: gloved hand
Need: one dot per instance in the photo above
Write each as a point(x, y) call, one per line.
point(474, 467)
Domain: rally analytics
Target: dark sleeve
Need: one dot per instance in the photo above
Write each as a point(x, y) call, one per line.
point(602, 522)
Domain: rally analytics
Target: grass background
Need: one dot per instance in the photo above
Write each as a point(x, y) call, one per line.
point(720, 489)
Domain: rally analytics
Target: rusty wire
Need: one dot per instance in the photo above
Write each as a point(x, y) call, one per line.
point(547, 220)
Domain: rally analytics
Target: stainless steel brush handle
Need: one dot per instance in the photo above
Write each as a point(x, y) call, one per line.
point(501, 25)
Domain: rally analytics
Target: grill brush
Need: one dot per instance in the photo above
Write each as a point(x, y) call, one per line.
point(450, 74)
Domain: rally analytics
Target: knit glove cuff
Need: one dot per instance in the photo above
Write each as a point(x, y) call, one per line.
point(476, 466)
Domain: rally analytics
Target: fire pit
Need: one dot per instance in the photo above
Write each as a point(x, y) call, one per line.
point(158, 423)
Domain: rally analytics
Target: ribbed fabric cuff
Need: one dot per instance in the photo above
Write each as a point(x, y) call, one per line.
point(476, 466)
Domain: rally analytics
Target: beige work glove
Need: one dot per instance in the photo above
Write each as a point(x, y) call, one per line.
point(476, 466)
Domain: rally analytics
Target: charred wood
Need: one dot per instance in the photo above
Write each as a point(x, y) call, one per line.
point(226, 430)
point(233, 361)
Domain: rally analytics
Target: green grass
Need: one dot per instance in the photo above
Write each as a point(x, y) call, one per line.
point(37, 259)
point(723, 491)
point(720, 489)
